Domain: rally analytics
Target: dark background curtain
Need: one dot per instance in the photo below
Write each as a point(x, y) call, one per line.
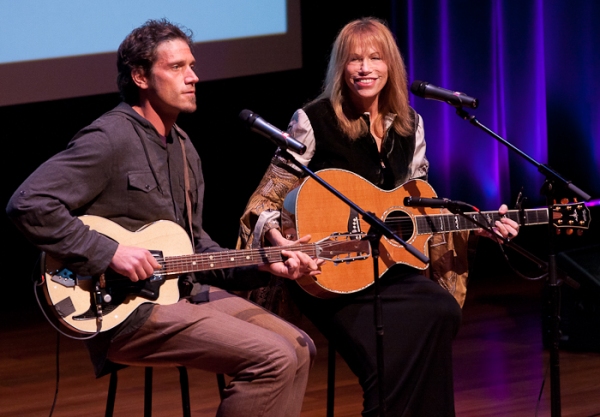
point(532, 64)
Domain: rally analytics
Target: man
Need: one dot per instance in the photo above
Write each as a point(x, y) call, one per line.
point(131, 166)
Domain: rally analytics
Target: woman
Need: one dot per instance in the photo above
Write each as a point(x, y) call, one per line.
point(362, 122)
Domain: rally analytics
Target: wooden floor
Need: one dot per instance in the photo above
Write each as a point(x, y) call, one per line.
point(500, 367)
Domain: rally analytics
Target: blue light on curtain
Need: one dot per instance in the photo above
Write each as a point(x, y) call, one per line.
point(572, 36)
point(534, 67)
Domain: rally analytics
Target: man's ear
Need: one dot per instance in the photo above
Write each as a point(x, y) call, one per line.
point(138, 75)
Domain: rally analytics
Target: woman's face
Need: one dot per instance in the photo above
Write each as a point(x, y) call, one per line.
point(365, 74)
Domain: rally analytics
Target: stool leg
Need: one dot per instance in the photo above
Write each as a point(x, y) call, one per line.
point(221, 384)
point(185, 391)
point(112, 393)
point(148, 392)
point(330, 379)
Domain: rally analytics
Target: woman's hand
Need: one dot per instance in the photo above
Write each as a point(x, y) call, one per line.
point(297, 264)
point(505, 227)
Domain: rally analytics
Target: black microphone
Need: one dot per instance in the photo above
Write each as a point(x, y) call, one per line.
point(454, 98)
point(453, 206)
point(282, 139)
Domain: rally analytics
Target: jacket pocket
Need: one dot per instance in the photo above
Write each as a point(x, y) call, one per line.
point(141, 181)
point(143, 198)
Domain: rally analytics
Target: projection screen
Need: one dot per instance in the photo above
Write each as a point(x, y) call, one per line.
point(67, 48)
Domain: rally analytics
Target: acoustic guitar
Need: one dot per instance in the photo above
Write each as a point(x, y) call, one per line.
point(95, 304)
point(320, 213)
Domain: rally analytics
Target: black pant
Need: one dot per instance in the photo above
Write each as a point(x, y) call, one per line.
point(420, 321)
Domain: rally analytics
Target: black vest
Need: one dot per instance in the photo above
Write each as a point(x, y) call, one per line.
point(387, 170)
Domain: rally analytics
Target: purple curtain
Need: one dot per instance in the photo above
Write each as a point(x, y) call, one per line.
point(535, 68)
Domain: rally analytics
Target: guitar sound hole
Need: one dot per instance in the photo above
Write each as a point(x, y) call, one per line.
point(401, 224)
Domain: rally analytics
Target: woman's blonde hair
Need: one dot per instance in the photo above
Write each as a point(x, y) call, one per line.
point(364, 33)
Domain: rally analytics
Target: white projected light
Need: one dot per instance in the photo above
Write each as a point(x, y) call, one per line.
point(67, 48)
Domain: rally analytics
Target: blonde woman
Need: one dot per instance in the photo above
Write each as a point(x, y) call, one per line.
point(362, 123)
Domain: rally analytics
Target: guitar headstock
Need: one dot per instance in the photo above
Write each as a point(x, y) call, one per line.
point(575, 217)
point(344, 247)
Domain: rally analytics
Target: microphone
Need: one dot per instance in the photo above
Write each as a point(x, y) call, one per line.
point(453, 206)
point(454, 98)
point(282, 139)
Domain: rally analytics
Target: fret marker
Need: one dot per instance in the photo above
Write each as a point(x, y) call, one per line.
point(212, 265)
point(232, 259)
point(247, 257)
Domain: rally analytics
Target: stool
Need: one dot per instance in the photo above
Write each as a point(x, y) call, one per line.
point(331, 357)
point(183, 381)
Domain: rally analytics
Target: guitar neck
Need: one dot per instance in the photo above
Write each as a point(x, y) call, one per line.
point(182, 264)
point(441, 223)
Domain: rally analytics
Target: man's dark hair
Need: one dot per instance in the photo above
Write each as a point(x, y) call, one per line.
point(138, 51)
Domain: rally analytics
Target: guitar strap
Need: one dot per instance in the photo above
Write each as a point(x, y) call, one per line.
point(202, 295)
point(186, 179)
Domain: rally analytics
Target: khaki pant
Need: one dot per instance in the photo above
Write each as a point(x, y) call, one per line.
point(268, 358)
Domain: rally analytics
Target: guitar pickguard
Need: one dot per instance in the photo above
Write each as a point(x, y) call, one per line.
point(112, 291)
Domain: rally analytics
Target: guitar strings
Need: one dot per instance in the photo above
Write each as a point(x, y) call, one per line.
point(226, 259)
point(180, 264)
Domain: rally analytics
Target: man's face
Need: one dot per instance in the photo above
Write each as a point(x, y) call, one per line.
point(171, 87)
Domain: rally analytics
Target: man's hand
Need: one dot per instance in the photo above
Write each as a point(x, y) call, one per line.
point(504, 227)
point(297, 264)
point(134, 263)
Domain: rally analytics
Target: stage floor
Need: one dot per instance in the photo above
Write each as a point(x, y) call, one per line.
point(499, 360)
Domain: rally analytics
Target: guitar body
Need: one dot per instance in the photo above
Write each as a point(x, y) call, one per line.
point(320, 213)
point(73, 301)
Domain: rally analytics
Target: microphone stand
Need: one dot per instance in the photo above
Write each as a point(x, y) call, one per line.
point(553, 179)
point(377, 229)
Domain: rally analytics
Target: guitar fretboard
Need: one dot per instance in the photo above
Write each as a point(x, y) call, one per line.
point(176, 265)
point(440, 223)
